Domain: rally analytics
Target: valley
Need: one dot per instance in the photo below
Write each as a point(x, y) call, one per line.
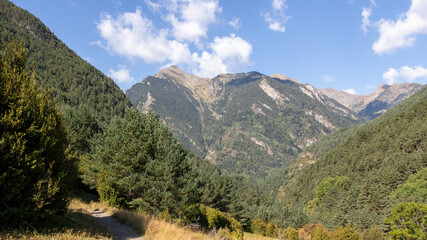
point(177, 156)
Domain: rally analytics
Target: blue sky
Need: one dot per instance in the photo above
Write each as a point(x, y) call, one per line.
point(352, 45)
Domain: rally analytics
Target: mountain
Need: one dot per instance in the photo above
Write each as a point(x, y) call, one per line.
point(373, 105)
point(351, 175)
point(247, 123)
point(72, 80)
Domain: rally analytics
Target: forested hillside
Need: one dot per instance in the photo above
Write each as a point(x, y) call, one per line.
point(246, 123)
point(358, 169)
point(72, 80)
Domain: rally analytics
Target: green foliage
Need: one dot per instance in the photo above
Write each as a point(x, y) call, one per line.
point(408, 221)
point(373, 233)
point(211, 218)
point(377, 158)
point(414, 189)
point(139, 158)
point(330, 183)
point(35, 166)
point(345, 233)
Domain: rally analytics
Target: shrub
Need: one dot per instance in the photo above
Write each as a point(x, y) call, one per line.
point(291, 234)
point(211, 218)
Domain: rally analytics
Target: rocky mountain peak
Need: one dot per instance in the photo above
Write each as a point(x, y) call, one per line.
point(284, 77)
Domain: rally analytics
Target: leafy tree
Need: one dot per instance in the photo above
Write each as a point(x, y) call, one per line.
point(408, 221)
point(35, 168)
point(137, 162)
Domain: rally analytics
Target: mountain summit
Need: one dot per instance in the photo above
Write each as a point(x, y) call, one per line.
point(246, 123)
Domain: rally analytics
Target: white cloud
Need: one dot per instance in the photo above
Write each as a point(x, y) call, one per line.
point(350, 90)
point(366, 22)
point(391, 76)
point(278, 5)
point(226, 52)
point(122, 75)
point(194, 19)
point(133, 36)
point(327, 78)
point(411, 74)
point(405, 73)
point(277, 18)
point(235, 23)
point(404, 31)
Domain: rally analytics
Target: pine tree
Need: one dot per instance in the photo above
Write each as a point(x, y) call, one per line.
point(35, 168)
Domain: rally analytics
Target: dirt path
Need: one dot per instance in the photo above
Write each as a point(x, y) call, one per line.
point(119, 231)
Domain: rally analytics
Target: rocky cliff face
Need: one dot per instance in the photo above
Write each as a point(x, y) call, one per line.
point(246, 123)
point(372, 105)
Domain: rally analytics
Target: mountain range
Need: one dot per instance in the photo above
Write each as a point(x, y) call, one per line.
point(250, 123)
point(372, 105)
point(247, 123)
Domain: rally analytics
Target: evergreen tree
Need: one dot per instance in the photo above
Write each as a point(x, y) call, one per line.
point(138, 163)
point(34, 165)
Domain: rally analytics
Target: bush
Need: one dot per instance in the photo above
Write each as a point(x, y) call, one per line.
point(211, 218)
point(291, 234)
point(35, 167)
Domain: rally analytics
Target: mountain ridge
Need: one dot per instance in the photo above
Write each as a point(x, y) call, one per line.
point(234, 119)
point(370, 106)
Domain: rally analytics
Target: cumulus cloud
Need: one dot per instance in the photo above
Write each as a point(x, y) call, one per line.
point(413, 73)
point(391, 76)
point(350, 90)
point(122, 75)
point(235, 23)
point(410, 74)
point(192, 21)
point(133, 36)
point(404, 31)
point(277, 18)
point(226, 52)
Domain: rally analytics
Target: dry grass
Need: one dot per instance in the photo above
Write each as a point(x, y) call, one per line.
point(250, 236)
point(161, 230)
point(135, 220)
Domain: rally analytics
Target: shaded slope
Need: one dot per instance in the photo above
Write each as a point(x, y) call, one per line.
point(72, 80)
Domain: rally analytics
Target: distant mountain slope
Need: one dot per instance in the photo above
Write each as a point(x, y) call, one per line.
point(349, 175)
point(72, 80)
point(247, 123)
point(373, 105)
